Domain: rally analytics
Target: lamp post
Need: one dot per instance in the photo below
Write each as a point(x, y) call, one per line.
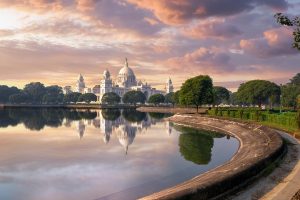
point(280, 103)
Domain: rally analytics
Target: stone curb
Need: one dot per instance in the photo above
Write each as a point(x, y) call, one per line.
point(259, 146)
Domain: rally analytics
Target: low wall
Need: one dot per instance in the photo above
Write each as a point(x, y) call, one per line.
point(172, 110)
point(259, 146)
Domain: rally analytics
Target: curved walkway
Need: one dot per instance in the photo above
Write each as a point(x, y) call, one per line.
point(259, 146)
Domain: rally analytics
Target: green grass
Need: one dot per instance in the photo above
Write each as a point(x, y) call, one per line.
point(286, 121)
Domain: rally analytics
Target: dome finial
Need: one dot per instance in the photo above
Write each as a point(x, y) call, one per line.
point(126, 62)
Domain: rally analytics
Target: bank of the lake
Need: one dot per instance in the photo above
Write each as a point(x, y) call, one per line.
point(260, 146)
point(72, 106)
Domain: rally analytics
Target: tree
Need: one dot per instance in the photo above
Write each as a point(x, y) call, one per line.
point(54, 94)
point(170, 98)
point(134, 97)
point(36, 91)
point(293, 23)
point(156, 99)
point(176, 97)
point(19, 98)
point(222, 95)
point(296, 80)
point(258, 92)
point(196, 91)
point(290, 91)
point(72, 97)
point(111, 98)
point(6, 91)
point(88, 97)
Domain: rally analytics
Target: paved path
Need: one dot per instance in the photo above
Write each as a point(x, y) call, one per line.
point(287, 188)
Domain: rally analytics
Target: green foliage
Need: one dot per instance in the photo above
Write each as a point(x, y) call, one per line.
point(196, 91)
point(54, 95)
point(88, 97)
point(72, 97)
point(134, 97)
point(6, 91)
point(287, 121)
point(222, 95)
point(19, 98)
point(170, 98)
point(35, 91)
point(111, 98)
point(156, 99)
point(291, 22)
point(258, 92)
point(295, 80)
point(176, 97)
point(289, 95)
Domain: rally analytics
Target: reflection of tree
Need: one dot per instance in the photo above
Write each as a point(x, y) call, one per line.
point(196, 145)
point(157, 115)
point(87, 114)
point(111, 114)
point(37, 119)
point(133, 115)
point(5, 120)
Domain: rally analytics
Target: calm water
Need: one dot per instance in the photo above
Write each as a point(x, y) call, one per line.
point(48, 154)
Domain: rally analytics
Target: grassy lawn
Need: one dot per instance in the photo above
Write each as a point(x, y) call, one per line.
point(286, 121)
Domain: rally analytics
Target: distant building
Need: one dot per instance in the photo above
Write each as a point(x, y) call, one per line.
point(125, 81)
point(169, 86)
point(80, 85)
point(67, 89)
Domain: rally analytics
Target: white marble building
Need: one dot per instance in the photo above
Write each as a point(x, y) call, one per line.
point(124, 82)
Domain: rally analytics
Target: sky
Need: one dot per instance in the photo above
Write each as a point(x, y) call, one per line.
point(52, 41)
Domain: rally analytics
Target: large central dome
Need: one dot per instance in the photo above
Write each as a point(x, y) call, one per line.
point(126, 77)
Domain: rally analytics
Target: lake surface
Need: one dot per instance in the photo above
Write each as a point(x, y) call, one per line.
point(48, 154)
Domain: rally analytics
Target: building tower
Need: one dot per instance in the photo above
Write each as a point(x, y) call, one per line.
point(80, 85)
point(106, 84)
point(169, 86)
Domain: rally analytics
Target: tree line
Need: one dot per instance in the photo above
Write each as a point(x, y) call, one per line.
point(38, 93)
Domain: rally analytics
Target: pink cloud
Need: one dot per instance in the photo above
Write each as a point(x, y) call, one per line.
point(179, 11)
point(274, 42)
point(203, 60)
point(217, 29)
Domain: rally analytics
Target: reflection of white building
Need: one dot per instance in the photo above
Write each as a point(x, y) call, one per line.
point(168, 127)
point(124, 82)
point(126, 135)
point(80, 126)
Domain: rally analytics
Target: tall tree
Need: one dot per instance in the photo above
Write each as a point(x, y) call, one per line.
point(88, 97)
point(134, 97)
point(293, 23)
point(111, 98)
point(222, 95)
point(156, 99)
point(72, 97)
point(54, 94)
point(6, 91)
point(170, 98)
point(36, 91)
point(290, 91)
point(197, 91)
point(19, 98)
point(258, 92)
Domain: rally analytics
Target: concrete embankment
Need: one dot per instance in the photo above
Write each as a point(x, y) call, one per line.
point(172, 110)
point(259, 147)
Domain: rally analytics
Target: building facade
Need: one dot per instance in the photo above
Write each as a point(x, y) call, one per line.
point(124, 82)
